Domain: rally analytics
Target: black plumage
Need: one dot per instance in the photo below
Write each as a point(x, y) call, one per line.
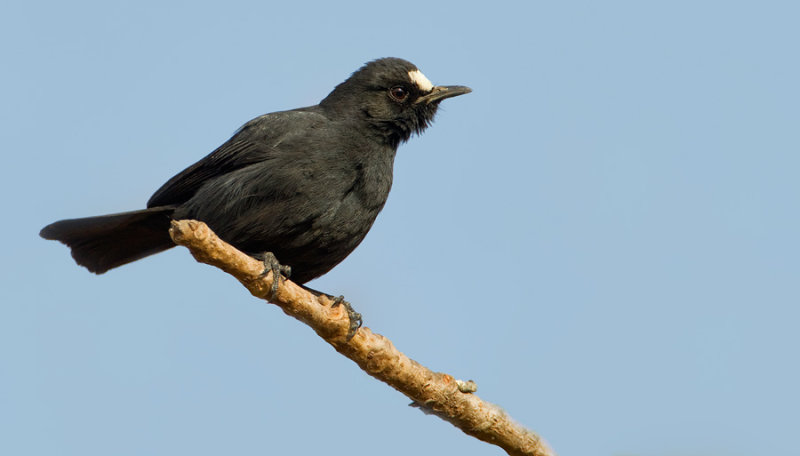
point(304, 184)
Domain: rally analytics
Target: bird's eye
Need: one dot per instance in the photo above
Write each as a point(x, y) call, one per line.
point(399, 93)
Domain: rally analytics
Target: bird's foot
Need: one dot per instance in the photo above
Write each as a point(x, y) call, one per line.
point(279, 271)
point(355, 317)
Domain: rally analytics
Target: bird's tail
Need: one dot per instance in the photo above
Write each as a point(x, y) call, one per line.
point(107, 241)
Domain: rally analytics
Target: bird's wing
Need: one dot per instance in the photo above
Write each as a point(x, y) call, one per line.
point(255, 142)
point(228, 157)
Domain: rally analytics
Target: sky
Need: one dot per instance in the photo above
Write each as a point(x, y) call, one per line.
point(603, 235)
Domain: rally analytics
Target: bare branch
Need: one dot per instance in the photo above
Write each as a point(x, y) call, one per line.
point(434, 392)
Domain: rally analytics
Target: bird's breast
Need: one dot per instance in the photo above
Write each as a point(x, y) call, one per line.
point(374, 178)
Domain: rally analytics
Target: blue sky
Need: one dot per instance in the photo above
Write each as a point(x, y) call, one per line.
point(603, 235)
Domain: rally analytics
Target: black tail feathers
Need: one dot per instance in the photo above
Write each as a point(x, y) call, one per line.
point(107, 241)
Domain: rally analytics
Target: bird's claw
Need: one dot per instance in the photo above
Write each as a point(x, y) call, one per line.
point(355, 317)
point(279, 271)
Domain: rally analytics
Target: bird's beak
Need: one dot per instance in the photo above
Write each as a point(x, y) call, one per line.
point(439, 93)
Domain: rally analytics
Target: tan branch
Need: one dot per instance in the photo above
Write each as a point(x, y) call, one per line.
point(434, 392)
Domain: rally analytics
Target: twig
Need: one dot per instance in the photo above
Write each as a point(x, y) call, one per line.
point(434, 392)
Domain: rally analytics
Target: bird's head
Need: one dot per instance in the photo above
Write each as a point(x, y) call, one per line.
point(392, 96)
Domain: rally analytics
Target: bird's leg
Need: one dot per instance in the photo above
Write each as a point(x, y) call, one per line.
point(355, 317)
point(278, 271)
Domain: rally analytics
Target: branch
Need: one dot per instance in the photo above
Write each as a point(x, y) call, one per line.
point(434, 392)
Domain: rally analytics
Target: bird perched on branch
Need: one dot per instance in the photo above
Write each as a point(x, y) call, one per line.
point(299, 187)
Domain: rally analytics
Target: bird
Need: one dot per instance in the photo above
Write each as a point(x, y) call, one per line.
point(298, 189)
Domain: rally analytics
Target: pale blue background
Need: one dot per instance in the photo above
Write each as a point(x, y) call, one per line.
point(604, 234)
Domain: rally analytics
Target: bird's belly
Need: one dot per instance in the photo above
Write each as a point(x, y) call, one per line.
point(311, 244)
point(328, 240)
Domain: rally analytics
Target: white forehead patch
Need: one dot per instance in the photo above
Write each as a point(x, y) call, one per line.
point(420, 80)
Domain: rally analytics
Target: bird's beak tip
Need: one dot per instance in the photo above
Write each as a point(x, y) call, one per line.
point(440, 93)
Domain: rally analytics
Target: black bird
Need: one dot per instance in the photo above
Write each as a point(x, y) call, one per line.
point(302, 187)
